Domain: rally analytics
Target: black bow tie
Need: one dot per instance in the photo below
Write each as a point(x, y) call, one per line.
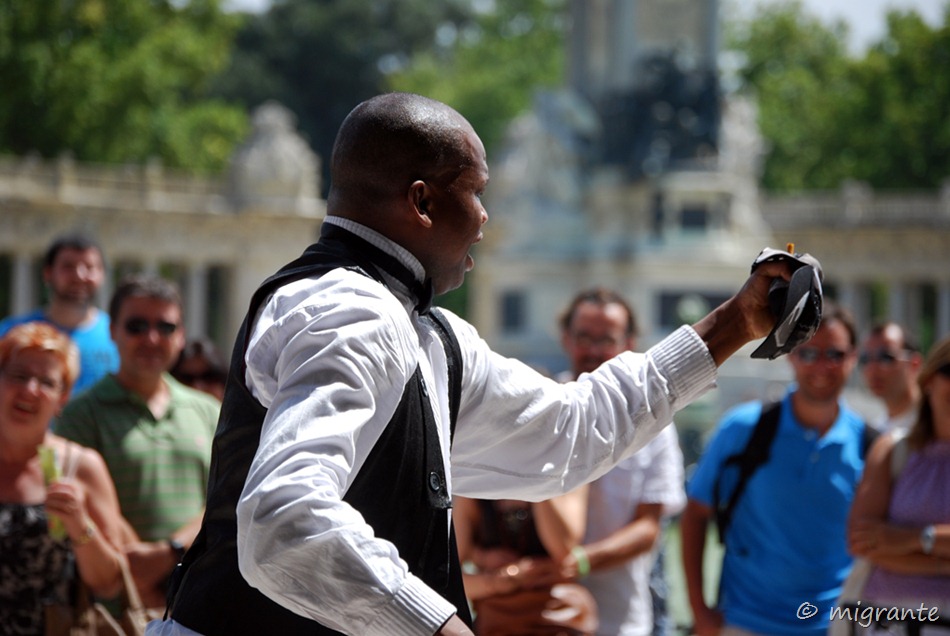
point(365, 252)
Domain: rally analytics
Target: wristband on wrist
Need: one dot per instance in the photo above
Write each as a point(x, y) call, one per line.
point(88, 534)
point(177, 548)
point(583, 562)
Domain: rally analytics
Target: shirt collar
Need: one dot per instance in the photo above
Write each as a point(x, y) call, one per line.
point(387, 245)
point(421, 290)
point(839, 432)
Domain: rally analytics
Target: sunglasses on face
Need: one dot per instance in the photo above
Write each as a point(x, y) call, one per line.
point(881, 356)
point(205, 376)
point(141, 326)
point(811, 355)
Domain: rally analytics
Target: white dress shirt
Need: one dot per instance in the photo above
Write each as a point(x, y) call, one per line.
point(652, 475)
point(329, 358)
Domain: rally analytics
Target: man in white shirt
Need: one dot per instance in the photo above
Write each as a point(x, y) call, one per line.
point(627, 507)
point(340, 373)
point(890, 362)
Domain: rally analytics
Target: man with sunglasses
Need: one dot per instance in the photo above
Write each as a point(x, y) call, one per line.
point(785, 553)
point(153, 432)
point(890, 361)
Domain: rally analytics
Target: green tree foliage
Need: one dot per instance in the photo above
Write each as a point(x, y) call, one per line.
point(829, 116)
point(904, 140)
point(320, 58)
point(491, 69)
point(117, 81)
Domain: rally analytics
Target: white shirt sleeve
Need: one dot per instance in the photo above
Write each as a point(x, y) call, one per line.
point(521, 435)
point(329, 359)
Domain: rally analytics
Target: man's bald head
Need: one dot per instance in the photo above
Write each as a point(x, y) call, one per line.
point(388, 142)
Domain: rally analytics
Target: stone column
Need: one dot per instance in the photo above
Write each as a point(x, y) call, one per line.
point(65, 176)
point(196, 304)
point(849, 297)
point(942, 322)
point(108, 285)
point(856, 297)
point(914, 307)
point(897, 301)
point(24, 296)
point(623, 43)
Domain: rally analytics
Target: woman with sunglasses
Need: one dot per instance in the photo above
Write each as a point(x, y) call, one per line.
point(47, 523)
point(900, 519)
point(201, 366)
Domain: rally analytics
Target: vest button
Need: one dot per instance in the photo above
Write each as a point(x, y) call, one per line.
point(435, 482)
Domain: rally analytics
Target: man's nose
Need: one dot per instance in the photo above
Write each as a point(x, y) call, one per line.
point(83, 272)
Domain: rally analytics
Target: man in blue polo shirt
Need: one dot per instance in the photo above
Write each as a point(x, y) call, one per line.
point(785, 552)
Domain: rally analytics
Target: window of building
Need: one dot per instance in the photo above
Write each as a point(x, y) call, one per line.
point(694, 217)
point(219, 285)
point(514, 313)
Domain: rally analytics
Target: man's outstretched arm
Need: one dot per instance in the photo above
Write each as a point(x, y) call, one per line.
point(744, 317)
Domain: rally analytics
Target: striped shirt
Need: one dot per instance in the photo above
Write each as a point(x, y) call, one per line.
point(159, 465)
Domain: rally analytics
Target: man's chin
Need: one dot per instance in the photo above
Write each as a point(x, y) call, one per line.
point(77, 299)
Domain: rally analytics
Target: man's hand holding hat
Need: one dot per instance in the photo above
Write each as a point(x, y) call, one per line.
point(795, 304)
point(748, 315)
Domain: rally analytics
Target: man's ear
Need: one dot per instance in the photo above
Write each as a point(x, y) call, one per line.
point(420, 197)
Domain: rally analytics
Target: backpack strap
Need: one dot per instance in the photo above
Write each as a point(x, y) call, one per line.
point(869, 436)
point(750, 459)
point(453, 356)
point(899, 454)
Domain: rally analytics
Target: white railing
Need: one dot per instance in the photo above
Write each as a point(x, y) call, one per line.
point(843, 209)
point(149, 186)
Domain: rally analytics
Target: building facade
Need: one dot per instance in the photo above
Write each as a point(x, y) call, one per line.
point(217, 238)
point(628, 178)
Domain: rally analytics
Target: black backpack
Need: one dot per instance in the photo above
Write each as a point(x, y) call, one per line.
point(754, 456)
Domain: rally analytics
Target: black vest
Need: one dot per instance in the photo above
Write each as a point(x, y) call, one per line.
point(400, 490)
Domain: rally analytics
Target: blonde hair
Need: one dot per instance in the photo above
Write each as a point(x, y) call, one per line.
point(43, 337)
point(923, 430)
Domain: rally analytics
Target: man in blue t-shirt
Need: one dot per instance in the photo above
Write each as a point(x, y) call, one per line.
point(785, 551)
point(73, 271)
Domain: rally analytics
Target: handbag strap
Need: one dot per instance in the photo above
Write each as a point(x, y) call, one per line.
point(70, 461)
point(130, 594)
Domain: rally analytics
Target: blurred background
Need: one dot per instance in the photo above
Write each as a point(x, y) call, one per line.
point(652, 146)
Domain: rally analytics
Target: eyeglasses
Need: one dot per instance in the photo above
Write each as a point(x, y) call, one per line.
point(881, 356)
point(141, 326)
point(811, 355)
point(19, 377)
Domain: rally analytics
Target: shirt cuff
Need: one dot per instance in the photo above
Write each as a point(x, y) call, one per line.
point(416, 609)
point(684, 359)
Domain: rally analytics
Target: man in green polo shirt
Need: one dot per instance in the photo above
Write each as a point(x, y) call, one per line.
point(153, 432)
